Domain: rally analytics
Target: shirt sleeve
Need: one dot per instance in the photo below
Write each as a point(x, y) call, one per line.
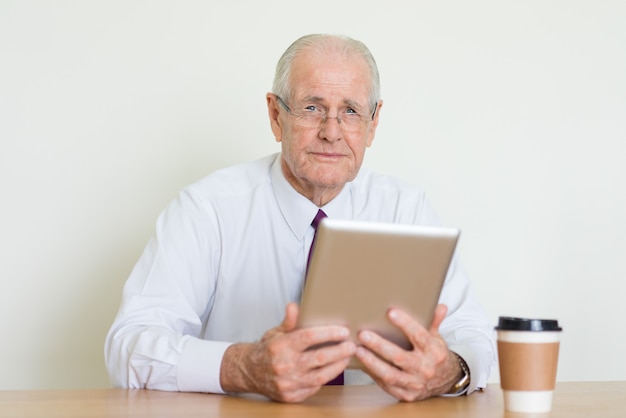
point(466, 329)
point(154, 341)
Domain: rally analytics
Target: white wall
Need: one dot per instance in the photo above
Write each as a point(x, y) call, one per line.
point(511, 114)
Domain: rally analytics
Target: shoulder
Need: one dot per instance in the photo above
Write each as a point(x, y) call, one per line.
point(225, 192)
point(387, 198)
point(240, 179)
point(373, 183)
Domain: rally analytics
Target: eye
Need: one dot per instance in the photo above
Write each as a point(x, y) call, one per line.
point(351, 113)
point(311, 109)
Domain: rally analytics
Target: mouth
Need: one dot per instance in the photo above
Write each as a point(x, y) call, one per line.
point(327, 155)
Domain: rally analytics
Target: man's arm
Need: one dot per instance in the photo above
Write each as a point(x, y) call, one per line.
point(155, 341)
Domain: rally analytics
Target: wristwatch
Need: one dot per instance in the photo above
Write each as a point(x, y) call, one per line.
point(462, 385)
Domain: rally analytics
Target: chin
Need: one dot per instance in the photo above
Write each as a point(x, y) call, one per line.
point(332, 183)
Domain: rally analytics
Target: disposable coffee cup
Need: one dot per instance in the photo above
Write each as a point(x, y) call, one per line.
point(528, 353)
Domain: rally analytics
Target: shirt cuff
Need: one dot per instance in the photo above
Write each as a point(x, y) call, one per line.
point(199, 366)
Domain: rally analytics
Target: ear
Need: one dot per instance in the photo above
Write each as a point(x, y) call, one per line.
point(372, 132)
point(273, 113)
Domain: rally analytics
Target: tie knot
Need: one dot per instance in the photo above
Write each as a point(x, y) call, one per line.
point(316, 221)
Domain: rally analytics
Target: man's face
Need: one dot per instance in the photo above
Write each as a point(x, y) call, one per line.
point(320, 160)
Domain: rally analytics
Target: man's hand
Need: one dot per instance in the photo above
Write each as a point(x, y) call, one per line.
point(280, 365)
point(427, 370)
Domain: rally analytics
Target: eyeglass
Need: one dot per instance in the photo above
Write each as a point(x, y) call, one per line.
point(313, 117)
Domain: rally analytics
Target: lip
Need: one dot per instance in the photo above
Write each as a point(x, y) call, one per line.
point(327, 155)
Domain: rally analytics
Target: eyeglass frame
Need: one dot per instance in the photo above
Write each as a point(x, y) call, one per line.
point(325, 116)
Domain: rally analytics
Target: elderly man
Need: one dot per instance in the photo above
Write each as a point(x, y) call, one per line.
point(211, 306)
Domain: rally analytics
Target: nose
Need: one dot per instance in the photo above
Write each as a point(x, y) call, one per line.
point(330, 129)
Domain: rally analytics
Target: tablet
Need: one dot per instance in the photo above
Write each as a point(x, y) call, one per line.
point(358, 270)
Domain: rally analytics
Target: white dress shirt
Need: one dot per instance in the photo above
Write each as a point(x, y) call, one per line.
point(227, 256)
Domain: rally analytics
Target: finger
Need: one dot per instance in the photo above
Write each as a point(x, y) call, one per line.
point(324, 356)
point(325, 374)
point(306, 338)
point(380, 370)
point(295, 395)
point(384, 349)
point(413, 330)
point(400, 383)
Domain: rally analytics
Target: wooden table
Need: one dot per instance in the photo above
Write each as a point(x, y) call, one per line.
point(588, 399)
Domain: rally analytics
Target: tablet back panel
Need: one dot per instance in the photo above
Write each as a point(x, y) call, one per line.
point(360, 269)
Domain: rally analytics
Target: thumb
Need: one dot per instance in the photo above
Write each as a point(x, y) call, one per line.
point(291, 317)
point(440, 314)
point(289, 323)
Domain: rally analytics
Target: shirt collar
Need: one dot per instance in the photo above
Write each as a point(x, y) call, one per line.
point(297, 210)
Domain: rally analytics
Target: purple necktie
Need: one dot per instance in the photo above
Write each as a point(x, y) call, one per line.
point(337, 381)
point(316, 221)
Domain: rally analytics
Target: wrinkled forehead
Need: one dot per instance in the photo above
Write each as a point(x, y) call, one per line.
point(330, 75)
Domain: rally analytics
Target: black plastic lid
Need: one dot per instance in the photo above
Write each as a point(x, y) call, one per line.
point(507, 323)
